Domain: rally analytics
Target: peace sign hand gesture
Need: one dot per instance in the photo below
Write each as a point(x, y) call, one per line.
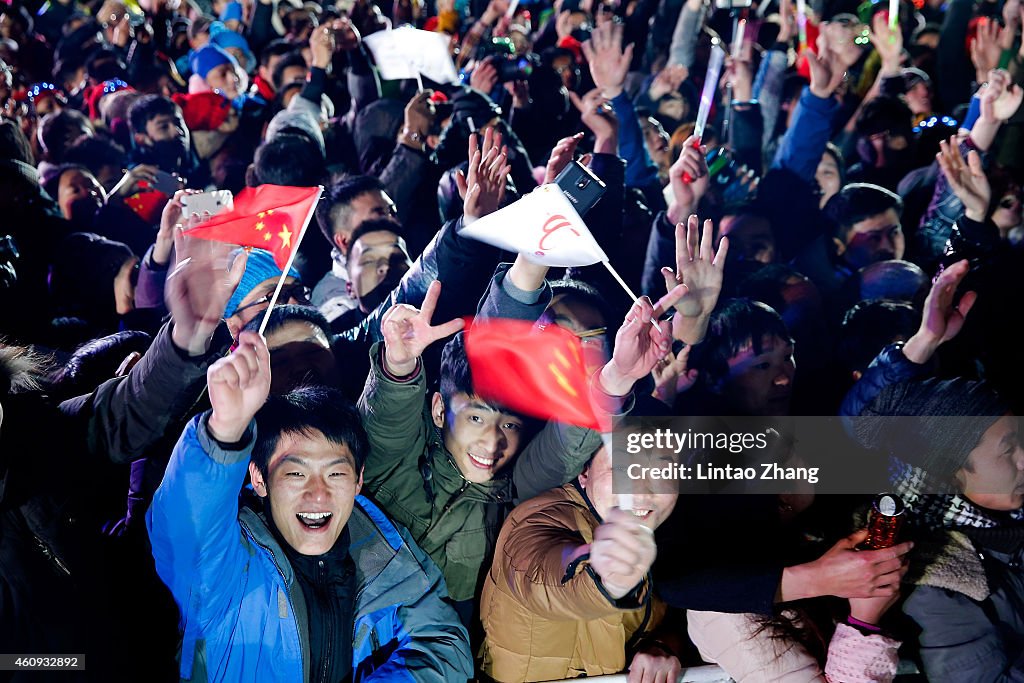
point(407, 332)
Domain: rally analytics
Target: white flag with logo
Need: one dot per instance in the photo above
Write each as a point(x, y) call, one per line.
point(544, 227)
point(407, 52)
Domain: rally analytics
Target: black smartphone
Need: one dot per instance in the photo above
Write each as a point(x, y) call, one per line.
point(168, 183)
point(581, 186)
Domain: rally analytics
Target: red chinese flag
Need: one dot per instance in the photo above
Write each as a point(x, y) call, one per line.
point(270, 217)
point(147, 204)
point(533, 371)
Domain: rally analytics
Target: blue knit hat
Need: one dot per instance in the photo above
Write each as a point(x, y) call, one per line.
point(232, 12)
point(224, 38)
point(209, 57)
point(260, 267)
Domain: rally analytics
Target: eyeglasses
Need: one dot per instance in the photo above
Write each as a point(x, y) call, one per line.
point(1008, 202)
point(296, 291)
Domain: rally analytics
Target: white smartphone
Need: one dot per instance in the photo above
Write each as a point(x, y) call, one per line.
point(213, 203)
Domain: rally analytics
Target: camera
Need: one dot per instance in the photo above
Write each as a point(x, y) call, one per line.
point(513, 68)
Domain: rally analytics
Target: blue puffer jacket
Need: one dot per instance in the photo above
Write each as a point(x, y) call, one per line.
point(243, 612)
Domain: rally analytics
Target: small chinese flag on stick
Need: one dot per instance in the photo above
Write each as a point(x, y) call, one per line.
point(535, 371)
point(270, 217)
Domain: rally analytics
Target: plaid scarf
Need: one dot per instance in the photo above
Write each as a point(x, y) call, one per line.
point(936, 505)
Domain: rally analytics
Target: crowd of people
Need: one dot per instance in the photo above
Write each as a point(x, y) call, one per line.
point(830, 226)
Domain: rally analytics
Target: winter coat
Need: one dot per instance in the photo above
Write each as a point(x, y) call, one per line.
point(243, 612)
point(968, 601)
point(411, 474)
point(549, 620)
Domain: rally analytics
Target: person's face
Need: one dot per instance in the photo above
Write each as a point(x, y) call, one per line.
point(9, 28)
point(930, 40)
point(124, 286)
point(46, 105)
point(919, 99)
point(994, 475)
point(761, 384)
point(650, 508)
point(367, 206)
point(311, 484)
point(1008, 212)
point(827, 176)
point(239, 54)
point(222, 78)
point(79, 194)
point(292, 74)
point(481, 438)
point(673, 107)
point(874, 239)
point(165, 128)
point(567, 70)
point(583, 320)
point(255, 302)
point(267, 70)
point(750, 238)
point(657, 141)
point(375, 257)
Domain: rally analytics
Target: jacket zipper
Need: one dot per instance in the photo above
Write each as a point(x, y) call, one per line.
point(284, 582)
point(51, 556)
point(325, 665)
point(448, 506)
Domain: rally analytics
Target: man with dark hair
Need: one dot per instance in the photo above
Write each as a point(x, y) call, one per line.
point(746, 360)
point(378, 260)
point(299, 340)
point(290, 67)
point(160, 136)
point(866, 220)
point(869, 327)
point(343, 208)
point(270, 56)
point(309, 557)
point(885, 143)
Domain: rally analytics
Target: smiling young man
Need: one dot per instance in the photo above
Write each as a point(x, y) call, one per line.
point(308, 580)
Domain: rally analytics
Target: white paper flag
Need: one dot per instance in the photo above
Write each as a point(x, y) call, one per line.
point(406, 52)
point(544, 227)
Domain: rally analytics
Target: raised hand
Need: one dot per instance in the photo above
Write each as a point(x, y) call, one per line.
point(622, 552)
point(639, 344)
point(407, 332)
point(673, 376)
point(699, 269)
point(239, 385)
point(419, 118)
point(609, 62)
point(198, 289)
point(941, 320)
point(321, 46)
point(668, 80)
point(999, 97)
point(968, 180)
point(129, 183)
point(597, 115)
point(561, 154)
point(826, 70)
point(482, 188)
point(170, 220)
point(484, 76)
point(692, 164)
point(888, 42)
point(985, 49)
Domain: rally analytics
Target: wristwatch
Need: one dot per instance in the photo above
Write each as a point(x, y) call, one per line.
point(419, 142)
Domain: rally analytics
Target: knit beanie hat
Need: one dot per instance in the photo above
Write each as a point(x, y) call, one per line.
point(932, 425)
point(232, 12)
point(224, 38)
point(209, 57)
point(203, 110)
point(259, 267)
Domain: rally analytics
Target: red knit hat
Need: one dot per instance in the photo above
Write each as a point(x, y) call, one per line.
point(203, 110)
point(573, 45)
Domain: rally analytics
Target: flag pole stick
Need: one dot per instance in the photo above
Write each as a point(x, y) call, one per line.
point(288, 266)
point(618, 278)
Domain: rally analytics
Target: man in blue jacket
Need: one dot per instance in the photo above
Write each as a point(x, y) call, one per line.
point(309, 581)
